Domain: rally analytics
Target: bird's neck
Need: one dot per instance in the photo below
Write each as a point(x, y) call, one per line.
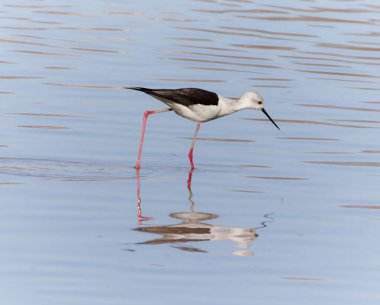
point(231, 105)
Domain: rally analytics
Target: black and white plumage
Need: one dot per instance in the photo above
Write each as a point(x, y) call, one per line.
point(200, 106)
point(183, 96)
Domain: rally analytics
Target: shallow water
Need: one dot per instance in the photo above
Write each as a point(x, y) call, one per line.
point(267, 216)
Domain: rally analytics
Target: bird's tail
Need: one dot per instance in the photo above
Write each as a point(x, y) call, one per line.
point(137, 88)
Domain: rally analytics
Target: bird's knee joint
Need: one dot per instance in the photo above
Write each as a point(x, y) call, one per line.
point(147, 113)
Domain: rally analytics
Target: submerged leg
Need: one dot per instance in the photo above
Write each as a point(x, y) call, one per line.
point(192, 145)
point(140, 217)
point(146, 114)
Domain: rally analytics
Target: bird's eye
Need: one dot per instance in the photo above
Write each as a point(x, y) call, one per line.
point(260, 102)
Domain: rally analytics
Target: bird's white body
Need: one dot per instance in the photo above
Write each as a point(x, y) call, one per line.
point(204, 113)
point(197, 112)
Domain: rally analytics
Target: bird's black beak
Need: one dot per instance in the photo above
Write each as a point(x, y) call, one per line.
point(268, 116)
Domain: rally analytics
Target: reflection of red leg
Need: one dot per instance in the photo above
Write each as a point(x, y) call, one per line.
point(189, 189)
point(146, 114)
point(191, 158)
point(189, 179)
point(140, 217)
point(139, 213)
point(192, 145)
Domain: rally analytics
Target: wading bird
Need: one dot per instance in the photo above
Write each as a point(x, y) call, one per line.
point(200, 106)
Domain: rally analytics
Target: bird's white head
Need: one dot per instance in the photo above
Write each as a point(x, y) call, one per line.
point(255, 101)
point(252, 100)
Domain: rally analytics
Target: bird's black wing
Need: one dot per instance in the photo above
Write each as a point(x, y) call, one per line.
point(183, 96)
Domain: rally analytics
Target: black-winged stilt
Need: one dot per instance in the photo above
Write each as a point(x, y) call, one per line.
point(200, 106)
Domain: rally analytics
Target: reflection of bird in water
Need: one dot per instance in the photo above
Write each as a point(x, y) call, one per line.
point(199, 106)
point(194, 229)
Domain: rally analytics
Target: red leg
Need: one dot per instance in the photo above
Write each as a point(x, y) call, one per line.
point(146, 114)
point(192, 145)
